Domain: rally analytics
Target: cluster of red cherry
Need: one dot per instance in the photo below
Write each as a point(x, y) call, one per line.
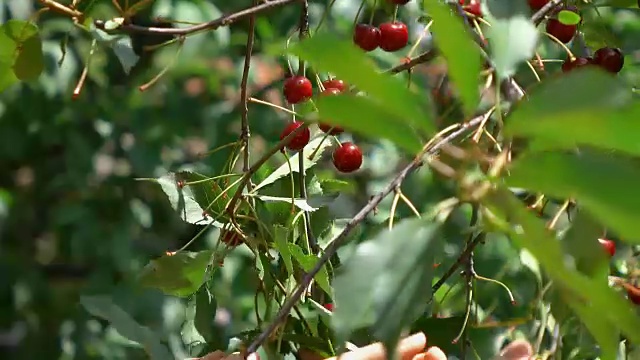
point(390, 36)
point(610, 59)
point(347, 157)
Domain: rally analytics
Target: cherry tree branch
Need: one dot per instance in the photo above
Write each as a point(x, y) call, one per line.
point(540, 14)
point(357, 219)
point(225, 20)
point(244, 96)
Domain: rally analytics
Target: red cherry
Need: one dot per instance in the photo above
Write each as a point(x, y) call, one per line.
point(634, 295)
point(328, 306)
point(347, 158)
point(328, 128)
point(393, 36)
point(474, 8)
point(230, 237)
point(609, 246)
point(537, 4)
point(334, 84)
point(300, 140)
point(569, 64)
point(367, 37)
point(297, 89)
point(562, 32)
point(610, 59)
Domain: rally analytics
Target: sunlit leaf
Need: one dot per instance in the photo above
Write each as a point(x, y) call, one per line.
point(180, 274)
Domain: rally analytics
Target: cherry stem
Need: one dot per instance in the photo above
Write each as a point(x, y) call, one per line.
point(355, 20)
point(482, 278)
point(373, 11)
point(155, 79)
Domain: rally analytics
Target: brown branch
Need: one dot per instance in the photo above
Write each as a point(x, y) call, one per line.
point(244, 96)
point(540, 14)
point(61, 9)
point(211, 25)
point(420, 59)
point(359, 217)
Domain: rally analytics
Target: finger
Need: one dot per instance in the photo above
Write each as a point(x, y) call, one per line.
point(434, 353)
point(216, 355)
point(407, 349)
point(517, 350)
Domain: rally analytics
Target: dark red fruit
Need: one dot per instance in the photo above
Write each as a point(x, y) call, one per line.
point(562, 32)
point(569, 64)
point(347, 158)
point(328, 306)
point(634, 295)
point(297, 89)
point(537, 4)
point(399, 2)
point(474, 8)
point(328, 128)
point(393, 36)
point(367, 37)
point(610, 59)
point(334, 84)
point(230, 237)
point(300, 140)
point(609, 246)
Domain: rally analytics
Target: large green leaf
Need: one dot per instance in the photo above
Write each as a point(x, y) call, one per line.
point(456, 45)
point(577, 290)
point(180, 274)
point(605, 185)
point(104, 308)
point(512, 41)
point(361, 115)
point(584, 107)
point(22, 48)
point(387, 281)
point(328, 52)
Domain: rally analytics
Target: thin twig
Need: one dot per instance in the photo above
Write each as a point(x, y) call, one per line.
point(211, 25)
point(62, 9)
point(420, 59)
point(540, 14)
point(247, 175)
point(244, 96)
point(359, 217)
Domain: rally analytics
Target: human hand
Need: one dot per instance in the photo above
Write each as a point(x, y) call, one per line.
point(410, 348)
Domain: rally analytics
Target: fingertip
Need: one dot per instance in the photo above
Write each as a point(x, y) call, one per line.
point(434, 353)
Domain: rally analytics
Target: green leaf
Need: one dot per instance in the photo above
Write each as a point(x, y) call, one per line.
point(529, 232)
point(311, 204)
point(586, 107)
point(361, 115)
point(568, 17)
point(180, 274)
point(22, 48)
point(293, 165)
point(307, 262)
point(281, 240)
point(579, 241)
point(512, 41)
point(387, 281)
point(328, 52)
point(184, 199)
point(619, 3)
point(102, 307)
point(604, 185)
point(205, 314)
point(464, 62)
point(123, 49)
